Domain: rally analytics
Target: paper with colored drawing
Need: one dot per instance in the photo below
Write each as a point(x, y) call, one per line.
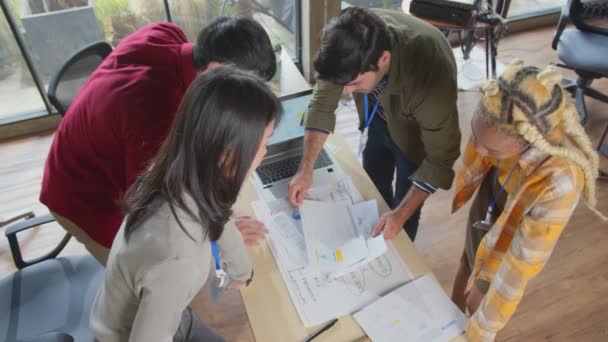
point(319, 296)
point(286, 231)
point(365, 216)
point(332, 240)
point(417, 311)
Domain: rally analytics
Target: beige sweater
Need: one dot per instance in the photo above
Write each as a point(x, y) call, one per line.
point(151, 278)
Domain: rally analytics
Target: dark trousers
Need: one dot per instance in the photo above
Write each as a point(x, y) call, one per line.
point(381, 157)
point(192, 329)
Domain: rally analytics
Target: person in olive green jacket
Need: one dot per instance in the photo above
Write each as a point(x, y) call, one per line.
point(403, 70)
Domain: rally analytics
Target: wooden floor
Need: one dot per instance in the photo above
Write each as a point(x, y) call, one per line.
point(568, 301)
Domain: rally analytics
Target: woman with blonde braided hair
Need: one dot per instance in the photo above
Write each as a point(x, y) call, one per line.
point(529, 160)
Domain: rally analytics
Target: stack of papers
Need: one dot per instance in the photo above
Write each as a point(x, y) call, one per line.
point(417, 311)
point(320, 294)
point(338, 237)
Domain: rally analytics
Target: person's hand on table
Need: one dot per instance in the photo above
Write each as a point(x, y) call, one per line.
point(298, 187)
point(389, 224)
point(252, 230)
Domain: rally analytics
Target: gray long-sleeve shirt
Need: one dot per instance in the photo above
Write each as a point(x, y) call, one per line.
point(151, 278)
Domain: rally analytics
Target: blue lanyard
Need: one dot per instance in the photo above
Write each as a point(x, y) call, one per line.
point(369, 118)
point(216, 255)
point(222, 277)
point(502, 187)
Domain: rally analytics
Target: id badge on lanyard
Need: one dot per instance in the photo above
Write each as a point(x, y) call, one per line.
point(362, 141)
point(220, 274)
point(222, 279)
point(368, 120)
point(487, 223)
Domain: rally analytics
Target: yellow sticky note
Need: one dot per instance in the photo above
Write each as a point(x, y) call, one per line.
point(339, 255)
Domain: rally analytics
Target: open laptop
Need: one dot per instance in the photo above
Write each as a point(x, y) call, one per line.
point(284, 153)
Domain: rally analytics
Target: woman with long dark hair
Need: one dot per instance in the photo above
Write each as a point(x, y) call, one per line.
point(179, 211)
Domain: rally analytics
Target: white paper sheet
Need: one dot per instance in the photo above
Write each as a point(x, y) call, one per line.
point(286, 230)
point(288, 234)
point(318, 296)
point(342, 190)
point(333, 241)
point(365, 215)
point(417, 311)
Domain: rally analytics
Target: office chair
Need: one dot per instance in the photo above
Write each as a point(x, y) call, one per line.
point(71, 76)
point(48, 299)
point(584, 49)
point(6, 222)
point(63, 88)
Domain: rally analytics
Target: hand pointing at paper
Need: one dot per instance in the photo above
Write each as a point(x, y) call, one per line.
point(390, 224)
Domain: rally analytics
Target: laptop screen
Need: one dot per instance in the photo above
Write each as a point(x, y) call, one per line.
point(294, 108)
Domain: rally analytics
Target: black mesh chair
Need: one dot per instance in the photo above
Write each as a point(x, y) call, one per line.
point(584, 49)
point(67, 81)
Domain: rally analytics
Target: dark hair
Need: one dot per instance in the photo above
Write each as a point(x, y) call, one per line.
point(213, 141)
point(351, 44)
point(239, 41)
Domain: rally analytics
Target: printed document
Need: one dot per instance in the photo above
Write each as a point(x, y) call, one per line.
point(318, 295)
point(417, 311)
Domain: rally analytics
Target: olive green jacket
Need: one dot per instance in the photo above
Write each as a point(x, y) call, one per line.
point(419, 101)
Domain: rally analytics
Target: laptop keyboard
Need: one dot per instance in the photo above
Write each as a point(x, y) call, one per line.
point(287, 168)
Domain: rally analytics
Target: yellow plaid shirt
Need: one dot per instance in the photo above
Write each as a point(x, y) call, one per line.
point(539, 204)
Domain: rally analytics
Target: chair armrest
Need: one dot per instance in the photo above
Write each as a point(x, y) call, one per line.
point(27, 215)
point(28, 223)
point(11, 235)
point(564, 18)
point(52, 337)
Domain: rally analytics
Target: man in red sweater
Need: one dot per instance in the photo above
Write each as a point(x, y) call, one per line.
point(123, 113)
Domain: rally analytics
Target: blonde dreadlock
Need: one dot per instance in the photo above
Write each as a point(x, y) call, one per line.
point(530, 103)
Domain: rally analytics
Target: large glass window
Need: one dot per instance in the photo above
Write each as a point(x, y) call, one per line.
point(529, 8)
point(118, 18)
point(53, 30)
point(49, 31)
point(386, 4)
point(278, 17)
point(18, 92)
